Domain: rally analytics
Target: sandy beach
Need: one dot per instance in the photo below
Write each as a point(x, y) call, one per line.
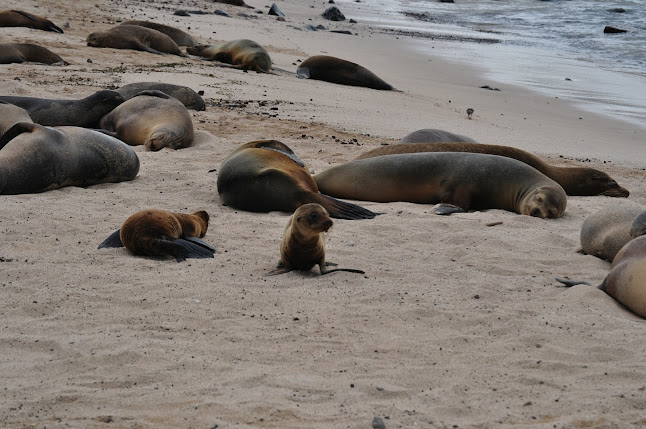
point(455, 324)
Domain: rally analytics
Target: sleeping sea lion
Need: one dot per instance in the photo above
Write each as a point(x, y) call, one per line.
point(244, 53)
point(34, 158)
point(432, 135)
point(28, 52)
point(162, 233)
point(134, 37)
point(180, 37)
point(19, 18)
point(266, 175)
point(303, 244)
point(470, 181)
point(605, 232)
point(85, 112)
point(574, 180)
point(152, 119)
point(188, 97)
point(10, 115)
point(336, 70)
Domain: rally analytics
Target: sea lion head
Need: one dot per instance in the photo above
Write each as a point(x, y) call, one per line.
point(595, 182)
point(311, 219)
point(546, 202)
point(95, 39)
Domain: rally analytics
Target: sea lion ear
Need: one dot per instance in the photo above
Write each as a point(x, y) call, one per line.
point(15, 131)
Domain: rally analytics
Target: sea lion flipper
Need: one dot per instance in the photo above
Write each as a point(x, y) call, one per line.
point(188, 249)
point(570, 283)
point(447, 209)
point(303, 72)
point(153, 93)
point(350, 270)
point(49, 26)
point(344, 210)
point(113, 240)
point(277, 271)
point(15, 131)
point(201, 242)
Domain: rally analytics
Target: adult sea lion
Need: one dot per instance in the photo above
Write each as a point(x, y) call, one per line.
point(180, 37)
point(152, 119)
point(162, 233)
point(28, 52)
point(605, 232)
point(134, 37)
point(470, 181)
point(34, 158)
point(188, 97)
point(244, 53)
point(303, 244)
point(574, 180)
point(336, 70)
point(626, 281)
point(429, 135)
point(85, 112)
point(266, 175)
point(19, 18)
point(10, 115)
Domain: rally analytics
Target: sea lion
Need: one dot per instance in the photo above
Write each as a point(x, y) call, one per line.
point(162, 233)
point(433, 135)
point(243, 53)
point(638, 228)
point(626, 281)
point(605, 232)
point(266, 175)
point(85, 112)
point(336, 70)
point(34, 158)
point(470, 181)
point(188, 97)
point(19, 18)
point(10, 115)
point(134, 37)
point(303, 244)
point(28, 52)
point(574, 180)
point(152, 119)
point(180, 37)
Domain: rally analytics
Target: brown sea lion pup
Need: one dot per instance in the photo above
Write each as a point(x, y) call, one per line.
point(34, 158)
point(266, 175)
point(574, 180)
point(626, 281)
point(336, 70)
point(180, 37)
point(162, 233)
point(85, 112)
point(188, 97)
point(10, 115)
point(303, 244)
point(135, 37)
point(433, 135)
point(243, 53)
point(19, 18)
point(605, 232)
point(28, 52)
point(152, 119)
point(470, 181)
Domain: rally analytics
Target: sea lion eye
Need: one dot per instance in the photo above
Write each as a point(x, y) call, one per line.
point(313, 216)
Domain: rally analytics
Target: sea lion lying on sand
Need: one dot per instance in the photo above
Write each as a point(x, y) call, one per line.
point(28, 52)
point(336, 70)
point(134, 37)
point(433, 135)
point(180, 37)
point(188, 97)
point(605, 232)
point(19, 18)
point(244, 53)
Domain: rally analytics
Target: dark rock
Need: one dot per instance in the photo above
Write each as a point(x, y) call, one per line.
point(221, 13)
point(331, 2)
point(310, 27)
point(617, 10)
point(246, 15)
point(378, 423)
point(341, 31)
point(273, 10)
point(181, 12)
point(613, 30)
point(352, 21)
point(320, 27)
point(447, 1)
point(333, 14)
point(233, 3)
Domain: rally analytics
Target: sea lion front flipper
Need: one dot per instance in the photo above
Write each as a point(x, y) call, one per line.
point(277, 271)
point(350, 270)
point(49, 26)
point(570, 283)
point(344, 210)
point(447, 209)
point(303, 72)
point(113, 240)
point(187, 249)
point(15, 131)
point(201, 242)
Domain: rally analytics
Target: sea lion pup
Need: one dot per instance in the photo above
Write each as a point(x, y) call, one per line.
point(162, 233)
point(605, 232)
point(188, 97)
point(28, 52)
point(336, 70)
point(85, 112)
point(266, 175)
point(10, 115)
point(470, 181)
point(19, 18)
point(152, 119)
point(243, 53)
point(34, 158)
point(626, 281)
point(135, 37)
point(303, 244)
point(433, 135)
point(180, 37)
point(574, 180)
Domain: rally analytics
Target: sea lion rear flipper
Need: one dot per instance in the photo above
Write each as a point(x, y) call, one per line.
point(188, 249)
point(113, 240)
point(570, 283)
point(350, 270)
point(15, 131)
point(447, 209)
point(303, 72)
point(344, 210)
point(201, 242)
point(277, 271)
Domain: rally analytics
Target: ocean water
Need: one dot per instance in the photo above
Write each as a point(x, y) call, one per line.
point(556, 47)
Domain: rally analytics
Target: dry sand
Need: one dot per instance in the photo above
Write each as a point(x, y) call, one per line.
point(455, 324)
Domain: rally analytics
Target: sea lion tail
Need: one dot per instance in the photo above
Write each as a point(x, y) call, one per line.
point(343, 210)
point(570, 283)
